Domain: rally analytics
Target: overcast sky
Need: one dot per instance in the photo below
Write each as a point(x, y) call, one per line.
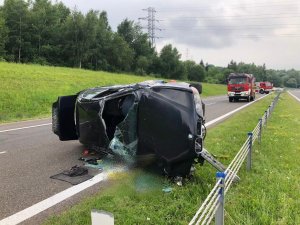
point(266, 31)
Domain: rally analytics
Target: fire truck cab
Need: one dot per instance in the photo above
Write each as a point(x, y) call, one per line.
point(241, 86)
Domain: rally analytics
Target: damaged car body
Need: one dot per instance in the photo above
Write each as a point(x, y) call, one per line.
point(148, 118)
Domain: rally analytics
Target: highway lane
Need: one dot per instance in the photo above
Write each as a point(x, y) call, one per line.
point(295, 92)
point(218, 106)
point(30, 156)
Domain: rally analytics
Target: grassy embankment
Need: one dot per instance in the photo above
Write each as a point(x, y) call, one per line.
point(269, 194)
point(27, 91)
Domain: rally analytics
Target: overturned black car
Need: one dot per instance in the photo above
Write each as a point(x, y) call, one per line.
point(148, 118)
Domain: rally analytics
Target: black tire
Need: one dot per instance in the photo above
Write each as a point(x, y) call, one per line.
point(198, 86)
point(230, 99)
point(249, 99)
point(261, 91)
point(63, 123)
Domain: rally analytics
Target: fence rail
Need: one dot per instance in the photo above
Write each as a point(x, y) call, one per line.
point(213, 205)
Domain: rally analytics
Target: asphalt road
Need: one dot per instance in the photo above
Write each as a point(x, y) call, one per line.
point(28, 157)
point(295, 92)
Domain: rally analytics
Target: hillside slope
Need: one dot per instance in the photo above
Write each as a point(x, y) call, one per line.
point(27, 91)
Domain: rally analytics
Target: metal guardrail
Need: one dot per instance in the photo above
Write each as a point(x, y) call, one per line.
point(213, 205)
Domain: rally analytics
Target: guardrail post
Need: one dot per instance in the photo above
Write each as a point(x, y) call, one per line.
point(249, 156)
point(219, 216)
point(266, 117)
point(260, 130)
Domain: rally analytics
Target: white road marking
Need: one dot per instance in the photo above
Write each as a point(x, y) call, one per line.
point(2, 152)
point(61, 196)
point(230, 113)
point(210, 103)
point(294, 96)
point(22, 128)
point(51, 201)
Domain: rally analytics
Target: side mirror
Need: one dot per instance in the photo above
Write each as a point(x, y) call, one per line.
point(198, 86)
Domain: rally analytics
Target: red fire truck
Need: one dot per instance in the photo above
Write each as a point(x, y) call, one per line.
point(263, 87)
point(241, 86)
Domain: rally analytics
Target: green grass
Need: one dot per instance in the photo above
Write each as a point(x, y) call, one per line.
point(27, 91)
point(268, 194)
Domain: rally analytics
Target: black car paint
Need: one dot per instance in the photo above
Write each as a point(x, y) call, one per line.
point(163, 121)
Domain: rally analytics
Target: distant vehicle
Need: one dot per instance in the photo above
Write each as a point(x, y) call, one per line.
point(241, 86)
point(149, 118)
point(264, 87)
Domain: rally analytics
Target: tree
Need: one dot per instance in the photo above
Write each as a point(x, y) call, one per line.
point(197, 73)
point(142, 64)
point(90, 30)
point(138, 41)
point(16, 17)
point(76, 38)
point(202, 63)
point(213, 74)
point(120, 55)
point(3, 36)
point(44, 19)
point(103, 43)
point(275, 78)
point(292, 82)
point(194, 72)
point(232, 66)
point(170, 66)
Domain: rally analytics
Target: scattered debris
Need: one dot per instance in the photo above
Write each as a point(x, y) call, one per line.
point(178, 180)
point(85, 152)
point(97, 166)
point(167, 189)
point(75, 175)
point(76, 171)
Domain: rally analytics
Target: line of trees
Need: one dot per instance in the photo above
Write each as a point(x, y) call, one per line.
point(280, 78)
point(49, 33)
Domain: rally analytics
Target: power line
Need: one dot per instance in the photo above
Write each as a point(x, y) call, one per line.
point(238, 26)
point(151, 26)
point(225, 28)
point(231, 6)
point(257, 16)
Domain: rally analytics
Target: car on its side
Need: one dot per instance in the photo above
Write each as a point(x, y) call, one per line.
point(164, 119)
